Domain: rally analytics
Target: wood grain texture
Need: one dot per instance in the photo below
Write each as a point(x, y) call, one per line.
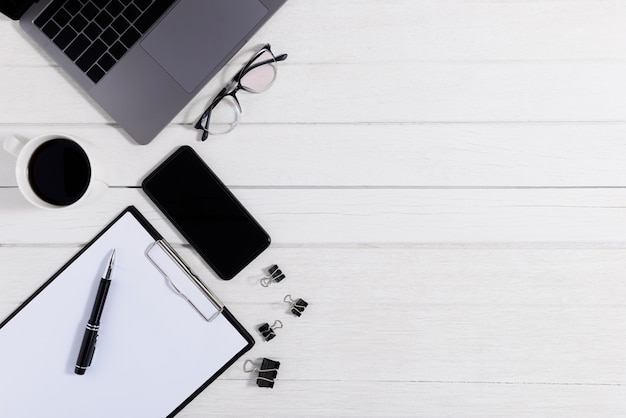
point(463, 323)
point(540, 315)
point(359, 216)
point(417, 399)
point(443, 182)
point(382, 156)
point(388, 93)
point(430, 29)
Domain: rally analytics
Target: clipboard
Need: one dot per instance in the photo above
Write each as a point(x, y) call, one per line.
point(164, 336)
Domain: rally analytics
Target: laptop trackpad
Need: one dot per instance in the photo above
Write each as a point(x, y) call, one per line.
point(196, 35)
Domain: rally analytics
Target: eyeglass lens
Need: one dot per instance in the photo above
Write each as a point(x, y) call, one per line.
point(256, 78)
point(224, 116)
point(260, 74)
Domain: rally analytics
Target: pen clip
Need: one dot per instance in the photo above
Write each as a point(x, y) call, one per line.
point(165, 246)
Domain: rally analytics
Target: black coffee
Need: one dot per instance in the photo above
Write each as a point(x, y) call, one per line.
point(59, 172)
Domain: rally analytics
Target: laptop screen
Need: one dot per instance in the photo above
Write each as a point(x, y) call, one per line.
point(14, 8)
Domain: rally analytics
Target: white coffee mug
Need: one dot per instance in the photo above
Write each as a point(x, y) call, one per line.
point(40, 167)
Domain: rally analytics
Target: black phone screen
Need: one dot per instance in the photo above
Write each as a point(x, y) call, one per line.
point(206, 213)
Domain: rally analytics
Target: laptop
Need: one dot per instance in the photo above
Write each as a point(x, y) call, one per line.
point(142, 61)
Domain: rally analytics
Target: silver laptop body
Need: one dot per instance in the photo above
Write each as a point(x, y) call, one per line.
point(165, 68)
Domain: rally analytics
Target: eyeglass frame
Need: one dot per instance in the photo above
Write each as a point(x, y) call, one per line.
point(233, 86)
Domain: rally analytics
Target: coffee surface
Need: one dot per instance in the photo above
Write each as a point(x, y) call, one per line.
point(59, 172)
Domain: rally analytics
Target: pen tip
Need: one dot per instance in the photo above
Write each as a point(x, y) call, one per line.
point(112, 260)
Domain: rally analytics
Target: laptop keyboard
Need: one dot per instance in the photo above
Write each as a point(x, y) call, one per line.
point(96, 34)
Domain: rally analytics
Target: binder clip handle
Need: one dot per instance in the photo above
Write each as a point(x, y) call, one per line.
point(297, 306)
point(249, 366)
point(274, 275)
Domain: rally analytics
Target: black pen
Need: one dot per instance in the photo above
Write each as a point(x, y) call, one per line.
point(88, 345)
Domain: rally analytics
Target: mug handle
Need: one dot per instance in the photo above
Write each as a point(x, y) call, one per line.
point(13, 144)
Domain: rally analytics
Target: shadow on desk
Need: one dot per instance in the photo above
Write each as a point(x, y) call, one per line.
point(12, 200)
point(7, 167)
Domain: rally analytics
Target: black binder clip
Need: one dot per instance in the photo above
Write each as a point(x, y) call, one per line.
point(267, 331)
point(274, 275)
point(267, 371)
point(297, 306)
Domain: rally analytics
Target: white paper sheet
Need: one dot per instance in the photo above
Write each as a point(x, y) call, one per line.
point(153, 350)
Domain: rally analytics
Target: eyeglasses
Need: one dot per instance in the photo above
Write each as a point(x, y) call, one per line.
point(255, 77)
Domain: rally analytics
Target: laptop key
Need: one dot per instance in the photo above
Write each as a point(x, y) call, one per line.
point(120, 25)
point(143, 4)
point(78, 23)
point(77, 47)
point(92, 31)
point(63, 39)
point(131, 13)
point(72, 6)
point(130, 37)
point(48, 12)
point(152, 14)
point(114, 7)
point(100, 3)
point(103, 19)
point(51, 29)
point(62, 17)
point(95, 73)
point(109, 36)
point(106, 62)
point(91, 55)
point(89, 11)
point(118, 50)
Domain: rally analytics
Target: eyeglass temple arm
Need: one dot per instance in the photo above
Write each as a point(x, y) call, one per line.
point(246, 70)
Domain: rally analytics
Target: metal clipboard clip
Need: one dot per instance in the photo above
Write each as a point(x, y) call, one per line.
point(169, 251)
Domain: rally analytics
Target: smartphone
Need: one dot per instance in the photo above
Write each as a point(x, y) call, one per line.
point(206, 213)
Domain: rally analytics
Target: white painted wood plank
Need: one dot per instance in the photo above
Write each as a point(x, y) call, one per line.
point(543, 338)
point(383, 93)
point(417, 399)
point(458, 342)
point(588, 275)
point(414, 30)
point(436, 92)
point(313, 216)
point(475, 30)
point(483, 318)
point(440, 155)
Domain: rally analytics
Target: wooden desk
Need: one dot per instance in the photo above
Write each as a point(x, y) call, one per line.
point(444, 182)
